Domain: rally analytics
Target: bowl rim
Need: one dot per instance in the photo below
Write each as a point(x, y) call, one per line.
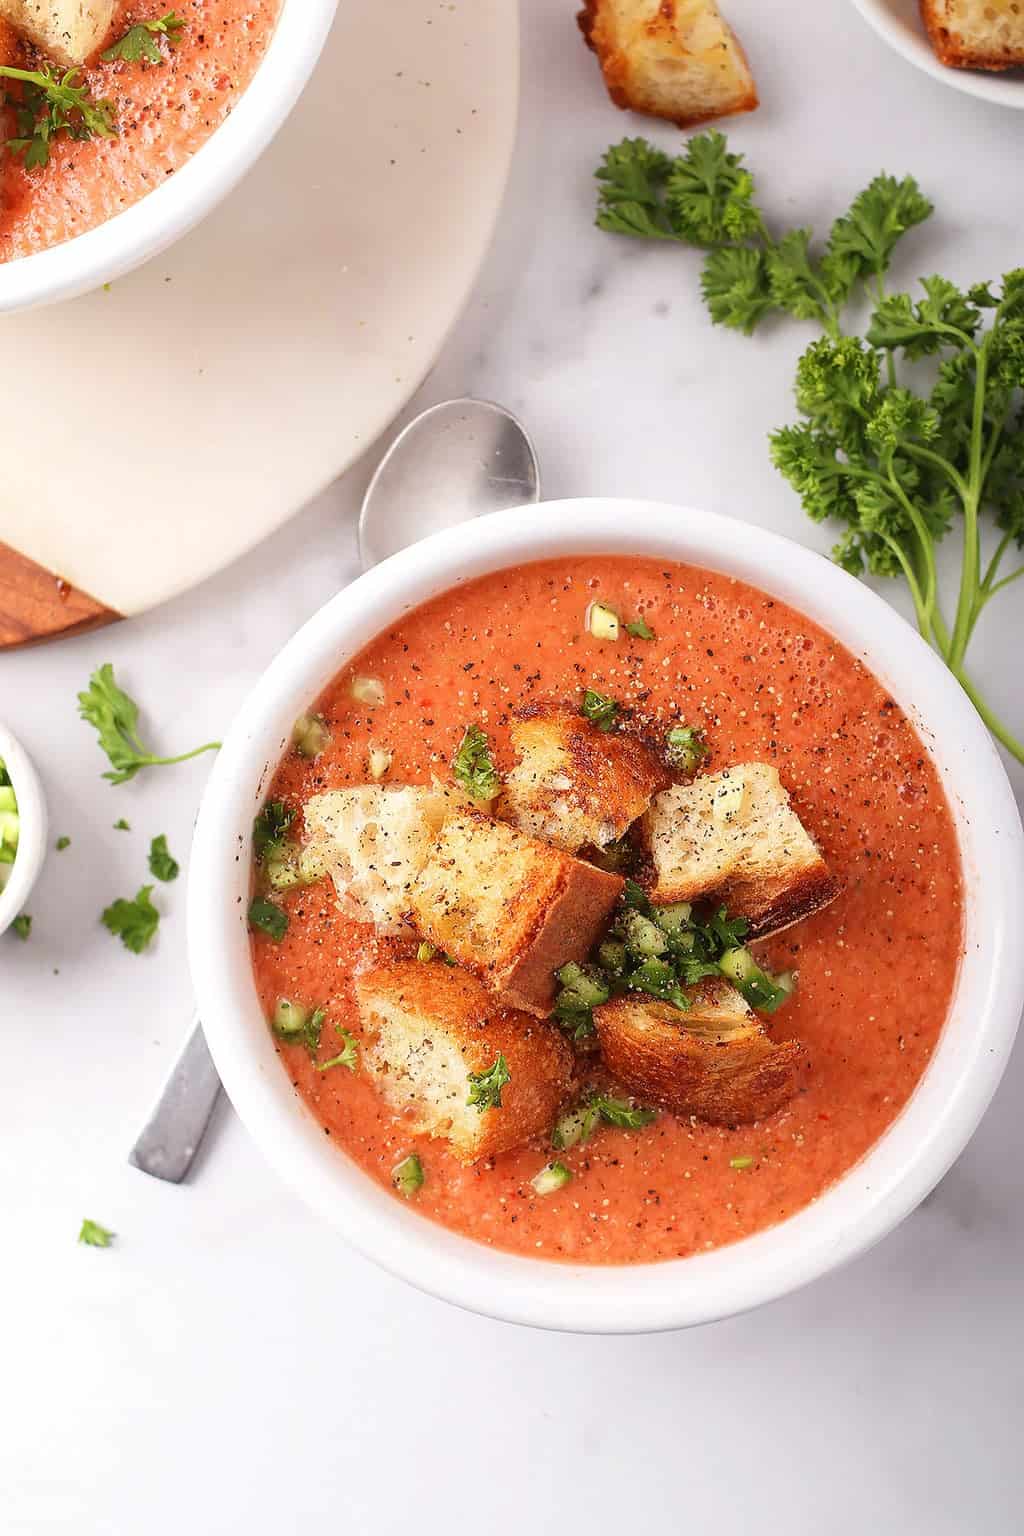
point(912, 44)
point(32, 830)
point(149, 226)
point(892, 1178)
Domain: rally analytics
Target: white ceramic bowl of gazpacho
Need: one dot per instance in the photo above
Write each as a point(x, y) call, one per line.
point(877, 1192)
point(174, 207)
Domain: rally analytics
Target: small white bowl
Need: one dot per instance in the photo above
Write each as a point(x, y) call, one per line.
point(32, 831)
point(899, 23)
point(874, 1195)
point(165, 214)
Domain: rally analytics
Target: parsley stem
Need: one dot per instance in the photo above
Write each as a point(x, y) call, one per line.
point(995, 725)
point(1005, 582)
point(966, 611)
point(165, 762)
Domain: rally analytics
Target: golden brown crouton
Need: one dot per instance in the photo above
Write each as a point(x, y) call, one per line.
point(373, 840)
point(670, 58)
point(509, 908)
point(574, 785)
point(715, 1062)
point(428, 1026)
point(67, 31)
point(732, 837)
point(976, 34)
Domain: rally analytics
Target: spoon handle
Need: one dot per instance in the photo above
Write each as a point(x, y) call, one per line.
point(172, 1135)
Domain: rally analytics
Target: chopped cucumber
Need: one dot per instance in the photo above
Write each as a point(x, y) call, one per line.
point(310, 735)
point(658, 979)
point(612, 956)
point(6, 854)
point(407, 1176)
point(368, 690)
point(554, 1176)
point(602, 622)
point(312, 864)
point(644, 938)
point(290, 1019)
point(283, 867)
point(685, 749)
point(588, 986)
point(10, 828)
point(426, 951)
point(675, 916)
point(8, 799)
point(575, 1125)
point(760, 990)
point(379, 761)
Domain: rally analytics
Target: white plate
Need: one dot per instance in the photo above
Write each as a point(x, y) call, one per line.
point(899, 23)
point(203, 400)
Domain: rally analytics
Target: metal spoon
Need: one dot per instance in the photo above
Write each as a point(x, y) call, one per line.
point(453, 462)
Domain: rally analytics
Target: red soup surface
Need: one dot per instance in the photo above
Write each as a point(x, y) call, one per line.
point(163, 113)
point(876, 969)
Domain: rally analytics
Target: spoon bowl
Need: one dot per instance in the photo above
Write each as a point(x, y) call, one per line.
point(456, 461)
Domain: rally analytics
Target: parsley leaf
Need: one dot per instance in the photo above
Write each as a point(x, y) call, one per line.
point(685, 748)
point(120, 825)
point(348, 1057)
point(640, 629)
point(47, 106)
point(140, 43)
point(94, 1235)
point(115, 717)
point(22, 925)
point(485, 1087)
point(599, 709)
point(62, 843)
point(472, 765)
point(161, 864)
point(268, 918)
point(134, 922)
point(620, 1112)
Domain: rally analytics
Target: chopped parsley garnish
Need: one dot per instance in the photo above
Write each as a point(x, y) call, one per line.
point(62, 843)
point(640, 629)
point(49, 106)
point(485, 1087)
point(120, 825)
point(116, 719)
point(161, 863)
point(472, 765)
point(269, 828)
point(22, 925)
point(133, 922)
point(269, 918)
point(599, 709)
point(621, 1112)
point(94, 1235)
point(141, 42)
point(348, 1057)
point(685, 748)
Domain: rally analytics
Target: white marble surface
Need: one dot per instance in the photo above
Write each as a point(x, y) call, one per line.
point(230, 1367)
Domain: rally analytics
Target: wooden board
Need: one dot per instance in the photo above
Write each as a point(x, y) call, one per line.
point(205, 399)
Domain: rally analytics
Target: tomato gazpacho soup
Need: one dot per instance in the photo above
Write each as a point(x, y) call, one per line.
point(605, 910)
point(102, 100)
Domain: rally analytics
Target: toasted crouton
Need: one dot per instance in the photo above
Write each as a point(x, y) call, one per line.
point(574, 785)
point(427, 1027)
point(372, 839)
point(976, 34)
point(715, 1062)
point(509, 908)
point(669, 58)
point(733, 837)
point(68, 31)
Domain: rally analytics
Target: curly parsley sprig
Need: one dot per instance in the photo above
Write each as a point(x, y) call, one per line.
point(898, 467)
point(140, 44)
